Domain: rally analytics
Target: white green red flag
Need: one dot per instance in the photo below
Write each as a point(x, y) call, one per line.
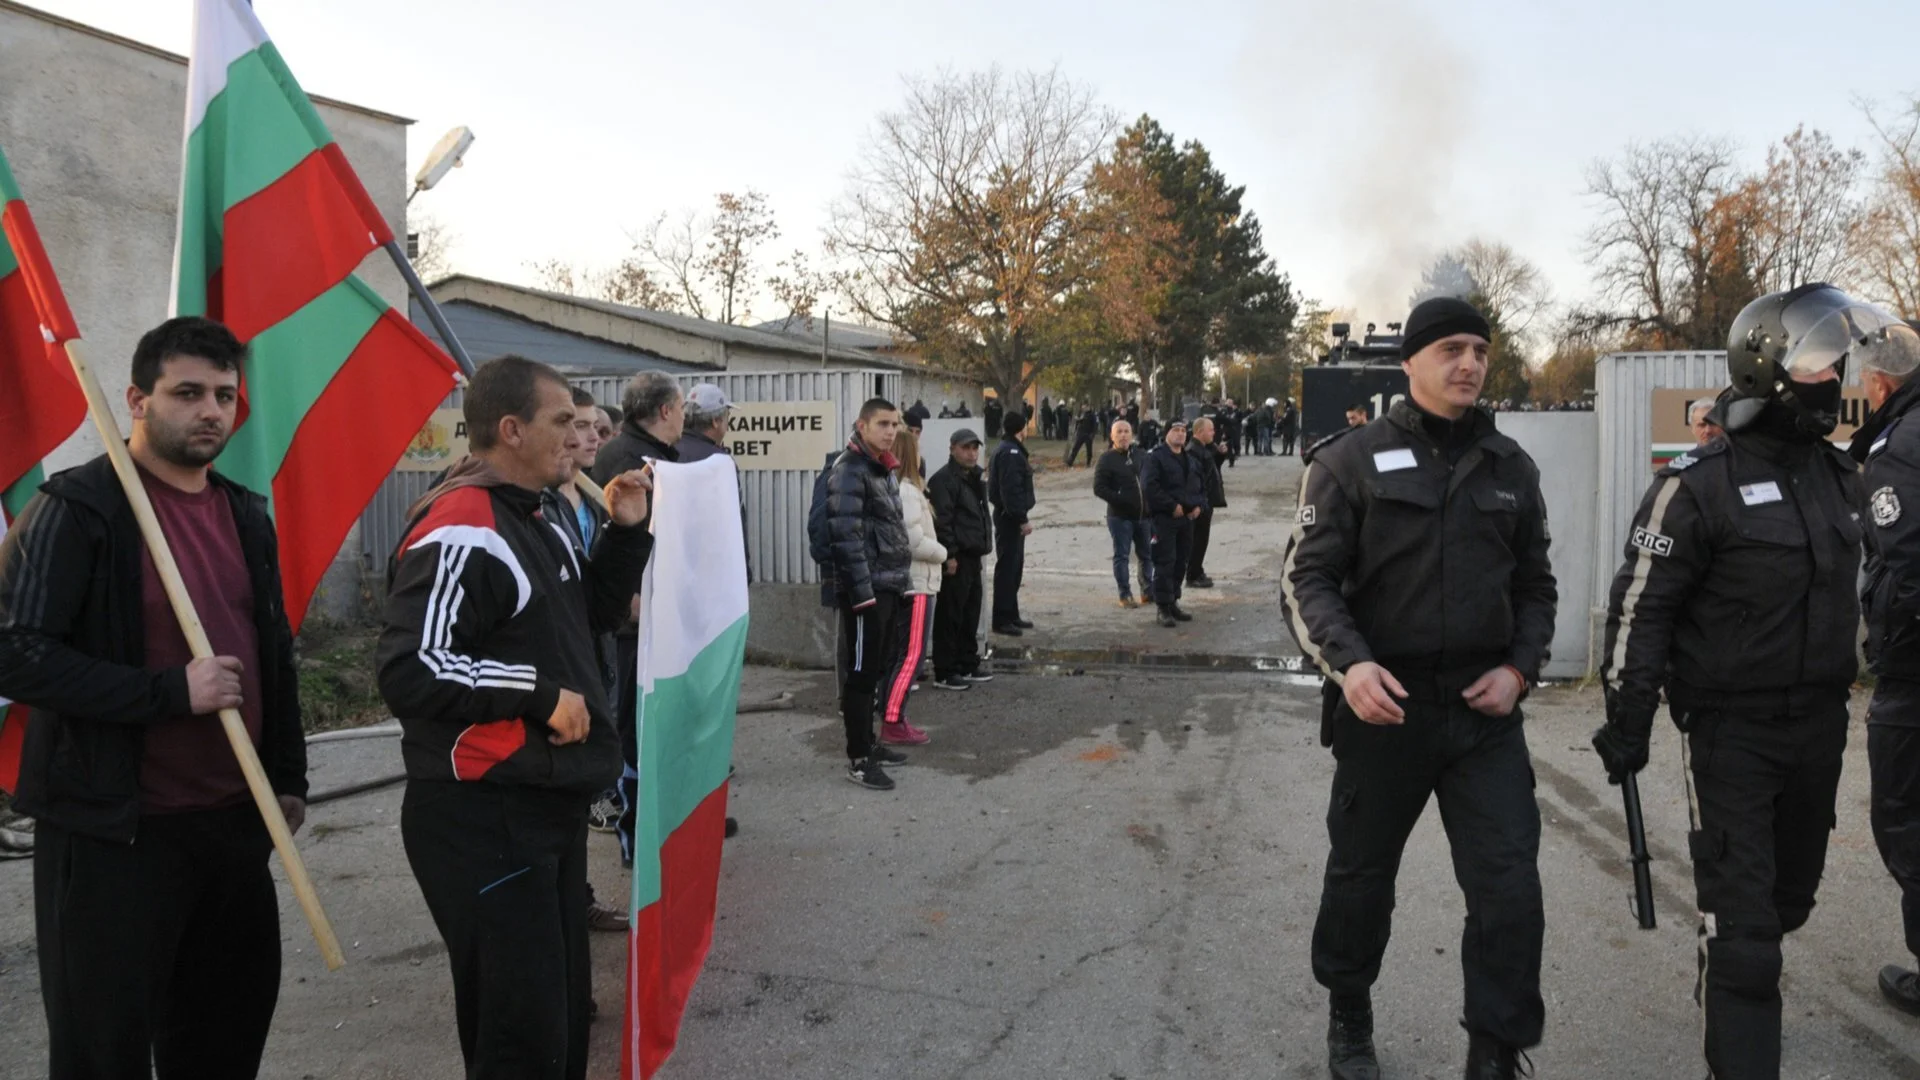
point(693, 639)
point(273, 222)
point(40, 401)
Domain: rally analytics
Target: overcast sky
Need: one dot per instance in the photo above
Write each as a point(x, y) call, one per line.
point(1368, 133)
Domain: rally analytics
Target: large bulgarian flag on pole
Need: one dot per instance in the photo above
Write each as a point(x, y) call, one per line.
point(273, 222)
point(40, 403)
point(693, 639)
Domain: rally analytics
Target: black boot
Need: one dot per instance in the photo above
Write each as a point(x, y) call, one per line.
point(1166, 616)
point(1350, 1041)
point(1175, 611)
point(1490, 1059)
point(1901, 987)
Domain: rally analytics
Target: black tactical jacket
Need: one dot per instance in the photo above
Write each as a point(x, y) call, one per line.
point(1889, 446)
point(1430, 560)
point(1738, 581)
point(1010, 482)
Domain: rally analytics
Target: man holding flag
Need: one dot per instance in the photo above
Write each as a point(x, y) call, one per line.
point(157, 923)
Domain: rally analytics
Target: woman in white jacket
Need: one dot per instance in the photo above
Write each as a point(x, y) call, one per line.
point(916, 615)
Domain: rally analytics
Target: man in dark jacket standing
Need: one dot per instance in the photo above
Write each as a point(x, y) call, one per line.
point(871, 558)
point(1084, 429)
point(1888, 446)
point(1289, 428)
point(1205, 452)
point(1063, 421)
point(1737, 599)
point(655, 419)
point(1046, 420)
point(1417, 579)
point(488, 660)
point(991, 416)
point(1010, 489)
point(1116, 481)
point(1175, 494)
point(958, 494)
point(157, 926)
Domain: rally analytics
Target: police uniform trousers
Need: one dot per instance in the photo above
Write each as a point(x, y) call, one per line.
point(1479, 769)
point(1762, 771)
point(1893, 757)
point(1172, 547)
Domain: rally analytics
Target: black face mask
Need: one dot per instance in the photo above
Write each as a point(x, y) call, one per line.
point(1817, 406)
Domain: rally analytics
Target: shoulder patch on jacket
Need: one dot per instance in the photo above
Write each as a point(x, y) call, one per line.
point(1306, 456)
point(1693, 457)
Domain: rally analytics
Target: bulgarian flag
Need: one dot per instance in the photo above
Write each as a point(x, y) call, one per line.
point(273, 222)
point(40, 402)
point(693, 639)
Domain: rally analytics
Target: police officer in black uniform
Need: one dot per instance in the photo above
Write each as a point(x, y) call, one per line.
point(1737, 597)
point(1417, 579)
point(1887, 353)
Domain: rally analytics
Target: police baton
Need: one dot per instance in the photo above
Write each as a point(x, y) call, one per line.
point(1637, 847)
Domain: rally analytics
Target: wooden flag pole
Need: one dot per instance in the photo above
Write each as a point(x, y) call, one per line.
point(196, 635)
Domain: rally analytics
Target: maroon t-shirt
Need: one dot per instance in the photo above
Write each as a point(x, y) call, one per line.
point(189, 764)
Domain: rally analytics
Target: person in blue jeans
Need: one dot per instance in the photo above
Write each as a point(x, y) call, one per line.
point(1116, 481)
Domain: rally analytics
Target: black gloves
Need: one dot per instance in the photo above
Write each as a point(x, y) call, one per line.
point(1622, 743)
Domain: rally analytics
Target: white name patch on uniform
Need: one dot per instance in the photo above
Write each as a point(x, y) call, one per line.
point(1394, 460)
point(1766, 491)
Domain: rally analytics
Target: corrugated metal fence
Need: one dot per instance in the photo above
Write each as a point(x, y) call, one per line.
point(1623, 391)
point(776, 499)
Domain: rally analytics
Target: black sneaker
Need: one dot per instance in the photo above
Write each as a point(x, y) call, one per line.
point(952, 682)
point(882, 754)
point(604, 815)
point(978, 676)
point(1350, 1054)
point(1174, 610)
point(1901, 987)
point(1008, 629)
point(869, 775)
point(1201, 582)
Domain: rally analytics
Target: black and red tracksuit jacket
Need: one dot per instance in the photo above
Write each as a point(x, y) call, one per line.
point(490, 614)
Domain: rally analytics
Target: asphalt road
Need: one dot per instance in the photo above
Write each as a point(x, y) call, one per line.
point(1104, 876)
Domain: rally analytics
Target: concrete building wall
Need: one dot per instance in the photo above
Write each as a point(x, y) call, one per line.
point(93, 125)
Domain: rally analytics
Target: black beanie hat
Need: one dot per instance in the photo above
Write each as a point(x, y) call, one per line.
point(1441, 317)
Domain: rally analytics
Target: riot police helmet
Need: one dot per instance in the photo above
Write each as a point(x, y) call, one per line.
point(1792, 347)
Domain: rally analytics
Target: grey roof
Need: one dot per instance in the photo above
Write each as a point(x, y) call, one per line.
point(490, 332)
point(688, 324)
point(840, 335)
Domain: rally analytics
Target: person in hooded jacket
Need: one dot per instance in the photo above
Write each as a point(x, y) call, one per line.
point(923, 586)
point(871, 561)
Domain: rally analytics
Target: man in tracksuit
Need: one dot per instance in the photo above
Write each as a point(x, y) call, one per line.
point(1888, 447)
point(488, 660)
point(1417, 579)
point(1737, 598)
point(1116, 482)
point(1010, 489)
point(156, 923)
point(1176, 494)
point(963, 525)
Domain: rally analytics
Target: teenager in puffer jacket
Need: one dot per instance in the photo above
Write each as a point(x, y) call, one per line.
point(915, 625)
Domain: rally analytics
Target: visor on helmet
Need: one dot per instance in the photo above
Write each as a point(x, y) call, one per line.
point(1830, 341)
